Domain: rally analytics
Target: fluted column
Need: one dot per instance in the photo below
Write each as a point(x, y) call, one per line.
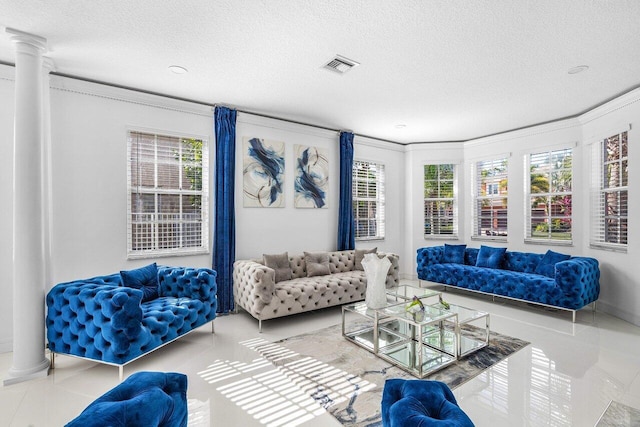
point(29, 359)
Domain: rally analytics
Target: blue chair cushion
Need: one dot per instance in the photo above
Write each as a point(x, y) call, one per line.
point(547, 265)
point(145, 399)
point(454, 253)
point(145, 279)
point(490, 257)
point(409, 403)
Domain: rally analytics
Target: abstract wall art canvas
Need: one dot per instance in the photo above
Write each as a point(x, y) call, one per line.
point(263, 173)
point(312, 177)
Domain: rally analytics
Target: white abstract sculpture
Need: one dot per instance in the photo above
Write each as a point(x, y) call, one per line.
point(376, 271)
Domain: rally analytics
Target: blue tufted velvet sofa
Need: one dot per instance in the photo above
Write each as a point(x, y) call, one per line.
point(569, 283)
point(103, 320)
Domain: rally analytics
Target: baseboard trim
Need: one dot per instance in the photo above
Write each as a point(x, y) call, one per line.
point(6, 346)
point(614, 311)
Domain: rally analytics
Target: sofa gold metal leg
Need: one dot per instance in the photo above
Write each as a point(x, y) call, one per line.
point(574, 316)
point(259, 326)
point(213, 329)
point(121, 372)
point(52, 357)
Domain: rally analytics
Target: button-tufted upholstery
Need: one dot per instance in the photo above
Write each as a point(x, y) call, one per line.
point(145, 399)
point(100, 319)
point(420, 403)
point(576, 282)
point(255, 289)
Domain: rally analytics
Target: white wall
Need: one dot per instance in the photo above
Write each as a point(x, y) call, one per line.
point(275, 230)
point(417, 156)
point(6, 205)
point(620, 273)
point(89, 124)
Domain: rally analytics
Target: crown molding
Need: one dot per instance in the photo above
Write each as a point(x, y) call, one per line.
point(83, 87)
point(615, 104)
point(570, 123)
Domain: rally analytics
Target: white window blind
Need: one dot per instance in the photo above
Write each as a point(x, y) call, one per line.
point(168, 195)
point(549, 196)
point(368, 200)
point(609, 213)
point(490, 199)
point(440, 201)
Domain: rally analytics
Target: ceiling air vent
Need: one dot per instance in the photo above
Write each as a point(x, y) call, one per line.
point(340, 64)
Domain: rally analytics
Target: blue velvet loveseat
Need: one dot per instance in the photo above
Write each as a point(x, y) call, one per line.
point(118, 318)
point(550, 279)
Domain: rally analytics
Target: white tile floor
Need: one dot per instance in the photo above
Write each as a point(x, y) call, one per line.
point(566, 377)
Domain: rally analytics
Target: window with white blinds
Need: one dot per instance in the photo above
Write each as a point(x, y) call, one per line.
point(609, 213)
point(167, 205)
point(490, 199)
point(368, 200)
point(549, 196)
point(440, 201)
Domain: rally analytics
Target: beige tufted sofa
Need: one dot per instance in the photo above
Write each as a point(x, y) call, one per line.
point(255, 290)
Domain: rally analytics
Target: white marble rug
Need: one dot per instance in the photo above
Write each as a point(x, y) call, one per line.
point(348, 381)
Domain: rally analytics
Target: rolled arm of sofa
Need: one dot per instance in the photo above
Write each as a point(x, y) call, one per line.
point(254, 284)
point(98, 321)
point(426, 257)
point(579, 279)
point(393, 279)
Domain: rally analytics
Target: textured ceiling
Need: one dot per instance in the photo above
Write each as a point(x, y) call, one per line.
point(448, 69)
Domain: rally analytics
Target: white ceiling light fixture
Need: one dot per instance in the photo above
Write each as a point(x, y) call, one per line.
point(401, 126)
point(340, 64)
point(578, 69)
point(177, 69)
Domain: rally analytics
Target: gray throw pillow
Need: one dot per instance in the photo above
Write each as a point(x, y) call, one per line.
point(280, 263)
point(360, 253)
point(317, 263)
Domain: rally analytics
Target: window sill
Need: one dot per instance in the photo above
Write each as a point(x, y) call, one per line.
point(432, 237)
point(166, 254)
point(549, 242)
point(610, 248)
point(490, 238)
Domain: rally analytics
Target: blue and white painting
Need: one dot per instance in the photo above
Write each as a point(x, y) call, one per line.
point(263, 173)
point(312, 177)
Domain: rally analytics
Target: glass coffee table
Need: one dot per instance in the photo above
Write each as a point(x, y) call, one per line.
point(418, 341)
point(407, 292)
point(470, 333)
point(358, 320)
point(410, 349)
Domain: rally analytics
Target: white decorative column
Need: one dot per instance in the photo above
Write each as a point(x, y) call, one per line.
point(29, 359)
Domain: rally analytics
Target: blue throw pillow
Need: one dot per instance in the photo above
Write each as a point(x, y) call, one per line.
point(490, 257)
point(145, 279)
point(454, 254)
point(547, 265)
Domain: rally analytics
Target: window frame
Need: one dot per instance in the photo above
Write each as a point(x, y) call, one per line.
point(549, 195)
point(454, 200)
point(598, 216)
point(132, 189)
point(379, 182)
point(477, 199)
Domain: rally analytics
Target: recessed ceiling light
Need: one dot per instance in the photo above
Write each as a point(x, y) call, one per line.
point(178, 69)
point(401, 126)
point(578, 69)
